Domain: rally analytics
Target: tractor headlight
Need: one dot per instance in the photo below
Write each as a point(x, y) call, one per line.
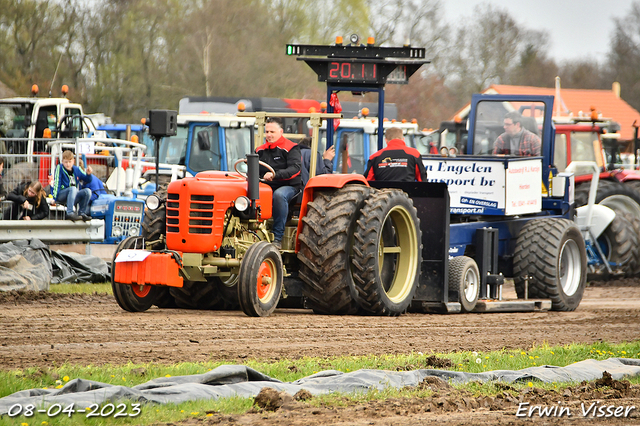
point(153, 202)
point(133, 231)
point(117, 231)
point(242, 203)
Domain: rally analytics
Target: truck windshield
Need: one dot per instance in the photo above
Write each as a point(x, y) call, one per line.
point(12, 120)
point(238, 144)
point(351, 146)
point(508, 128)
point(205, 148)
point(585, 147)
point(174, 149)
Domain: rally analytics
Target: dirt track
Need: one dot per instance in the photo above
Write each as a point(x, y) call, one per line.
point(94, 330)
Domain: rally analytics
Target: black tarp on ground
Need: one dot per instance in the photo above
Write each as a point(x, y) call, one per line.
point(25, 265)
point(31, 265)
point(238, 380)
point(69, 267)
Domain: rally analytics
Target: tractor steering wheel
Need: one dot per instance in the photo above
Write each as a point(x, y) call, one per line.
point(244, 160)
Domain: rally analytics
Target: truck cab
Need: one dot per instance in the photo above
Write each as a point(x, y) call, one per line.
point(28, 117)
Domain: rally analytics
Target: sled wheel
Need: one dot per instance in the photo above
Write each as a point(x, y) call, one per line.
point(260, 280)
point(387, 253)
point(464, 277)
point(551, 252)
point(326, 243)
point(132, 297)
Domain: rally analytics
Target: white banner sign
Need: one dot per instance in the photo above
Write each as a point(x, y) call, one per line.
point(506, 187)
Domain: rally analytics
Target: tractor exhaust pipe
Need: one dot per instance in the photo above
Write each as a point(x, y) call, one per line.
point(253, 178)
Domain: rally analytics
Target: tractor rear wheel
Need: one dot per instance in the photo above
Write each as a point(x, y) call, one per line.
point(464, 277)
point(619, 242)
point(228, 290)
point(133, 297)
point(634, 271)
point(325, 251)
point(612, 194)
point(196, 295)
point(387, 253)
point(551, 255)
point(260, 280)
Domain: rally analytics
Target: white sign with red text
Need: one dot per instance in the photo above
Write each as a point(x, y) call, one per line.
point(524, 187)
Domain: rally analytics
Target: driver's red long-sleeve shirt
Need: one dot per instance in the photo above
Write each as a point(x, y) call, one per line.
point(396, 162)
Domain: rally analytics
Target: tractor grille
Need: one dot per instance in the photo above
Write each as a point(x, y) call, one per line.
point(200, 214)
point(173, 211)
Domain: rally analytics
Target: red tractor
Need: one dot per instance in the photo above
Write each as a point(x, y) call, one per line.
point(216, 251)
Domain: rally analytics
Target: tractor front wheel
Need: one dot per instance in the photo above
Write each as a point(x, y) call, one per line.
point(132, 297)
point(260, 280)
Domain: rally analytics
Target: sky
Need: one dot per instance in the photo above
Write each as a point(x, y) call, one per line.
point(577, 28)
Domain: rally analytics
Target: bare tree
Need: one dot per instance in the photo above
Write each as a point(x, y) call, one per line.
point(624, 57)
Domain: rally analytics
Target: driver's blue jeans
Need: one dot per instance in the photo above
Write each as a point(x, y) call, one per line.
point(281, 198)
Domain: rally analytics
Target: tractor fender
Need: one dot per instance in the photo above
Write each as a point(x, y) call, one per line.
point(625, 175)
point(335, 181)
point(601, 218)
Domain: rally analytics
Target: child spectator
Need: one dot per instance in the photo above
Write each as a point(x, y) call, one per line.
point(29, 202)
point(66, 180)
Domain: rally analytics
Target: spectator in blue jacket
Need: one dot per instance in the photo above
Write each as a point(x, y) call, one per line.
point(96, 186)
point(66, 181)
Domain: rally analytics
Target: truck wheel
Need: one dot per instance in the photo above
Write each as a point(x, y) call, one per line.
point(260, 280)
point(132, 297)
point(387, 253)
point(619, 243)
point(551, 252)
point(325, 249)
point(154, 226)
point(464, 277)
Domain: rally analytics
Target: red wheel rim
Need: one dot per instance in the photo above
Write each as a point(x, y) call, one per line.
point(265, 279)
point(141, 290)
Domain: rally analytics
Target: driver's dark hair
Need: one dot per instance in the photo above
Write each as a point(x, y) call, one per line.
point(515, 116)
point(276, 120)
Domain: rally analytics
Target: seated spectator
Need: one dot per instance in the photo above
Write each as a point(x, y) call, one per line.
point(96, 186)
point(66, 181)
point(29, 202)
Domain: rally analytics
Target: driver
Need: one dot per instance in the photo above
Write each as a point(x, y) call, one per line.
point(284, 157)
